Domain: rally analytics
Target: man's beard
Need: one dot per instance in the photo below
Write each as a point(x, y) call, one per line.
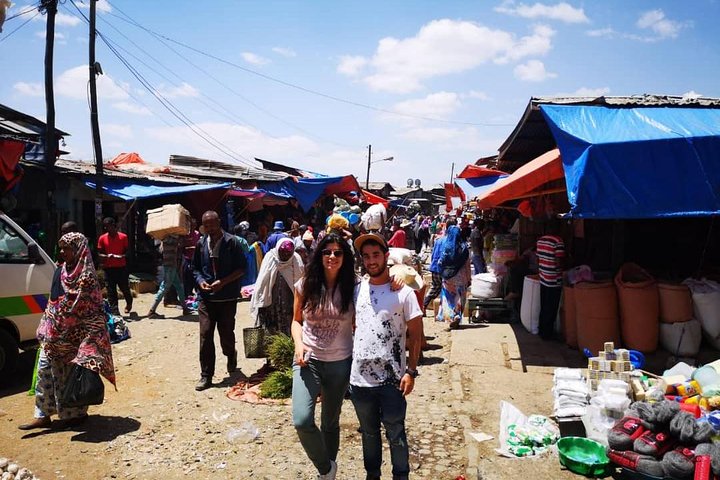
point(379, 272)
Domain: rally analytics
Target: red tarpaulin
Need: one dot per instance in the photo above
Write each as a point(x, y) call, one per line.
point(127, 158)
point(474, 171)
point(10, 152)
point(452, 191)
point(373, 199)
point(521, 184)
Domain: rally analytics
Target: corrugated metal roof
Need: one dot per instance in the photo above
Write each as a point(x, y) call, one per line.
point(21, 126)
point(214, 169)
point(532, 137)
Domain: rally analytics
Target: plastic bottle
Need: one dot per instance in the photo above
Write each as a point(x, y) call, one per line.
point(706, 376)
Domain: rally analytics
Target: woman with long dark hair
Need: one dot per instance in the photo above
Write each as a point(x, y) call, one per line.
point(322, 332)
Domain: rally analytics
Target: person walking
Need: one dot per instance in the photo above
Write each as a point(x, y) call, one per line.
point(188, 251)
point(434, 269)
point(551, 254)
point(454, 266)
point(112, 247)
point(72, 331)
point(170, 250)
point(477, 245)
point(218, 265)
point(380, 376)
point(322, 332)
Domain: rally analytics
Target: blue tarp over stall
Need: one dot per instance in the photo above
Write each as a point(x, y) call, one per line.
point(130, 190)
point(474, 187)
point(644, 162)
point(307, 190)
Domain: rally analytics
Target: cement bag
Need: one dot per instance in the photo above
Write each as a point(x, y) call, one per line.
point(485, 285)
point(682, 339)
point(675, 303)
point(530, 304)
point(374, 217)
point(596, 310)
point(400, 256)
point(639, 308)
point(569, 318)
point(706, 306)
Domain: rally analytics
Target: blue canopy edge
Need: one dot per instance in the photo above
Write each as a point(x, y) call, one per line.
point(648, 162)
point(130, 190)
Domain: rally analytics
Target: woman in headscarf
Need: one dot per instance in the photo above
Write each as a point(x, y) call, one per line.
point(454, 266)
point(72, 331)
point(272, 300)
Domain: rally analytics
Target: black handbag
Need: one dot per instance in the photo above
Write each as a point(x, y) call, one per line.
point(84, 387)
point(254, 342)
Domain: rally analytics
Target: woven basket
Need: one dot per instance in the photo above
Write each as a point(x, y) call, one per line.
point(254, 342)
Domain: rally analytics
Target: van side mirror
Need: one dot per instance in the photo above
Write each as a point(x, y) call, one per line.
point(34, 254)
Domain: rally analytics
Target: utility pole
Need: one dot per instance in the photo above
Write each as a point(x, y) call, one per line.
point(51, 146)
point(367, 178)
point(452, 172)
point(95, 70)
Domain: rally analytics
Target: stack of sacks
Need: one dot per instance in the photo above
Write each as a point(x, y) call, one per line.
point(571, 393)
point(661, 440)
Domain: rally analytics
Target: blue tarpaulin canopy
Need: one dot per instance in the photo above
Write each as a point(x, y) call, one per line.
point(307, 190)
point(644, 162)
point(474, 187)
point(130, 190)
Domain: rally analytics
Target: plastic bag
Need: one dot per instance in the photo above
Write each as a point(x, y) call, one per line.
point(84, 387)
point(522, 436)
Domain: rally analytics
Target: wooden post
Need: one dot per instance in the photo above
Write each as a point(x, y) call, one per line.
point(50, 141)
point(94, 72)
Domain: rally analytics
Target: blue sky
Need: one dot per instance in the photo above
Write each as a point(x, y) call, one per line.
point(439, 82)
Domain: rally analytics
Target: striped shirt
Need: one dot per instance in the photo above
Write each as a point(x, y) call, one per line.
point(550, 249)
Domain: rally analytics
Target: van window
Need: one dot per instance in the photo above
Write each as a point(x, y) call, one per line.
point(13, 247)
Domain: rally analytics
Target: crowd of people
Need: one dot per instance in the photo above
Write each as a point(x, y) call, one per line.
point(331, 290)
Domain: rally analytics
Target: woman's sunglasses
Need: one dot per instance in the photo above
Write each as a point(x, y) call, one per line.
point(334, 253)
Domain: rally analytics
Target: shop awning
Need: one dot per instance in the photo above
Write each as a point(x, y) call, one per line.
point(476, 171)
point(525, 181)
point(373, 199)
point(307, 190)
point(475, 187)
point(131, 190)
point(644, 162)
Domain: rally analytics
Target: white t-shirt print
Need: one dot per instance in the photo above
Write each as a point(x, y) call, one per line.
point(381, 317)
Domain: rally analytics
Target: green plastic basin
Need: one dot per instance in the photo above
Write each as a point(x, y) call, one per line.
point(583, 456)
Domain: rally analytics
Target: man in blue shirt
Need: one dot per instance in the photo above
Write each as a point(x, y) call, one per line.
point(218, 264)
point(275, 236)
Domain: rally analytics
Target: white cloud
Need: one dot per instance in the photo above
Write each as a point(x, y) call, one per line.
point(563, 12)
point(285, 52)
point(29, 89)
point(477, 95)
point(72, 83)
point(601, 32)
point(254, 59)
point(468, 139)
point(61, 20)
point(115, 130)
point(351, 65)
point(132, 108)
point(184, 90)
point(586, 92)
point(101, 6)
point(442, 47)
point(60, 37)
point(533, 71)
point(663, 27)
point(436, 105)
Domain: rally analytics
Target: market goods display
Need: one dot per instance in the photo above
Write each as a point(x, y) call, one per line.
point(597, 315)
point(639, 307)
point(10, 470)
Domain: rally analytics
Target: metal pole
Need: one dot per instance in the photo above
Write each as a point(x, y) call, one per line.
point(452, 172)
point(94, 121)
point(50, 147)
point(367, 178)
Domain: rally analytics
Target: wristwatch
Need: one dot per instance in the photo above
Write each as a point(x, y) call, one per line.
point(411, 372)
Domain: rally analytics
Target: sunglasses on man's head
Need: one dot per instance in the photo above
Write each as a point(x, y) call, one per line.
point(334, 253)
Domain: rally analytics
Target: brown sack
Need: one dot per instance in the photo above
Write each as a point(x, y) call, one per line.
point(639, 308)
point(596, 313)
point(675, 303)
point(569, 317)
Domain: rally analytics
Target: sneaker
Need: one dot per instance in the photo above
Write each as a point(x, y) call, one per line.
point(202, 384)
point(331, 474)
point(232, 363)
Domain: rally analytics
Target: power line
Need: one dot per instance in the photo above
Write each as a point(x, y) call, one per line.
point(292, 85)
point(168, 105)
point(20, 14)
point(19, 27)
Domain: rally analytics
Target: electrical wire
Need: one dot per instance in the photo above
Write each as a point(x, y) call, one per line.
point(19, 27)
point(133, 22)
point(168, 105)
point(20, 14)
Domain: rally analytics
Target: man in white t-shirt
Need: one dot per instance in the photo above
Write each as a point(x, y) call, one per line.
point(381, 377)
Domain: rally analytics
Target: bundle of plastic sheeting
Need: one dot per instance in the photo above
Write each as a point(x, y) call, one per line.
point(571, 393)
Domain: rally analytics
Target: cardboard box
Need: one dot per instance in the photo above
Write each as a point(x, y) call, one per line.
point(143, 286)
point(170, 219)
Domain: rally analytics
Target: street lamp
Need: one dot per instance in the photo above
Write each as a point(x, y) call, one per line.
point(370, 162)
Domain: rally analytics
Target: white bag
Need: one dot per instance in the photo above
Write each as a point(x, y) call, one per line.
point(682, 339)
point(373, 217)
point(706, 306)
point(530, 305)
point(485, 285)
point(400, 256)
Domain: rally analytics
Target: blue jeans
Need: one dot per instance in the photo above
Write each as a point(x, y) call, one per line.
point(387, 405)
point(170, 277)
point(478, 263)
point(331, 379)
